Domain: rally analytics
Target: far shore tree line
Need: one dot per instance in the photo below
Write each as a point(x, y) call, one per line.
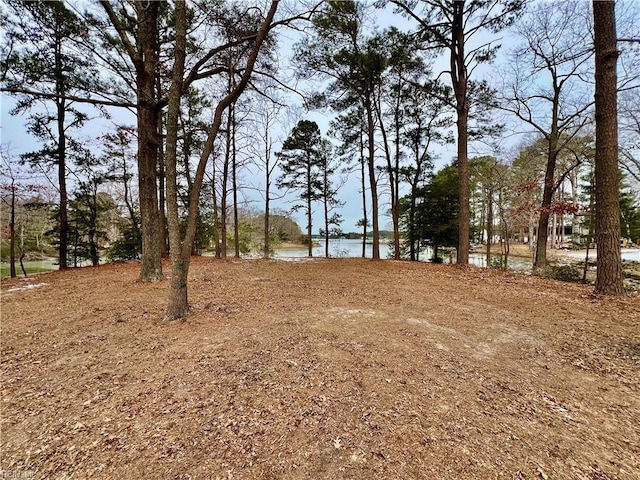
point(211, 98)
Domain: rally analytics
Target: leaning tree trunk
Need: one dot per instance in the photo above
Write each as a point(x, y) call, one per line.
point(609, 279)
point(393, 184)
point(178, 305)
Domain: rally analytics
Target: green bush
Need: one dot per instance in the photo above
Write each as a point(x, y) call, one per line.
point(4, 252)
point(565, 273)
point(128, 247)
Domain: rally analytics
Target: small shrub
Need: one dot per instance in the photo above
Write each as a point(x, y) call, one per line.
point(565, 273)
point(127, 247)
point(303, 239)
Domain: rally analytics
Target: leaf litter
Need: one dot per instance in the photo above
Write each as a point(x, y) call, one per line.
point(325, 369)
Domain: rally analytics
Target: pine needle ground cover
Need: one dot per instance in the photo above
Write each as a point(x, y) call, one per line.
point(319, 369)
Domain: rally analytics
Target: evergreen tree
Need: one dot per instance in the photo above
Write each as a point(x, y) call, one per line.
point(46, 69)
point(339, 50)
point(451, 25)
point(435, 220)
point(301, 160)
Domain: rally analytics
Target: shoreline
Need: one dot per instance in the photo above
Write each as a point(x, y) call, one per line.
point(523, 251)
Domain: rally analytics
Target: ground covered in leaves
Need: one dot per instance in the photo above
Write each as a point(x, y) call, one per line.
point(341, 369)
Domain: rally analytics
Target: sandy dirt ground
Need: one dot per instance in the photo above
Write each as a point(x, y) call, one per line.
point(328, 369)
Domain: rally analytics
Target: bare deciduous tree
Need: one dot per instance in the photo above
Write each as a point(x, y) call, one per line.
point(546, 88)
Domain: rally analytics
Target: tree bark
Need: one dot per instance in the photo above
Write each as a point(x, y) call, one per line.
point(540, 263)
point(309, 219)
point(373, 184)
point(62, 146)
point(459, 80)
point(12, 233)
point(267, 190)
point(180, 253)
point(234, 183)
point(364, 197)
point(392, 171)
point(162, 213)
point(609, 279)
point(147, 112)
point(489, 226)
point(178, 306)
point(325, 201)
point(224, 189)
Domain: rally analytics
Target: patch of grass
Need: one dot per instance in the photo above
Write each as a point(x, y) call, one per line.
point(32, 267)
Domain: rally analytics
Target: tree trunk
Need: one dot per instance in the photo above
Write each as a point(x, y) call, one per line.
point(364, 197)
point(267, 187)
point(412, 224)
point(62, 186)
point(24, 270)
point(267, 240)
point(609, 279)
point(162, 214)
point(151, 265)
point(395, 208)
point(489, 226)
point(224, 190)
point(574, 196)
point(178, 301)
point(234, 180)
point(12, 233)
point(62, 144)
point(309, 219)
point(393, 184)
point(178, 306)
point(216, 212)
point(540, 264)
point(93, 249)
point(463, 194)
point(504, 229)
point(326, 211)
point(459, 81)
point(373, 184)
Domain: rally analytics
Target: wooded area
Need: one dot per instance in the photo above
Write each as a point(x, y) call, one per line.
point(172, 147)
point(214, 98)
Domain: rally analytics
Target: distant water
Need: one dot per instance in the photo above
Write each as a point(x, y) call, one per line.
point(628, 254)
point(344, 248)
